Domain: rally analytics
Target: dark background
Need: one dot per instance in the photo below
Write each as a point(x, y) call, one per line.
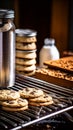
point(36, 15)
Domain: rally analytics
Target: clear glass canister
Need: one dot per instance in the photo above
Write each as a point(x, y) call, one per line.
point(7, 48)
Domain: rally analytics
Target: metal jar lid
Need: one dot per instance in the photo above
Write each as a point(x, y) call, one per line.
point(25, 32)
point(6, 13)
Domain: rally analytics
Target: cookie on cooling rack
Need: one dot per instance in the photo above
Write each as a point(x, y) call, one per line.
point(44, 98)
point(15, 108)
point(15, 103)
point(30, 92)
point(8, 95)
point(41, 103)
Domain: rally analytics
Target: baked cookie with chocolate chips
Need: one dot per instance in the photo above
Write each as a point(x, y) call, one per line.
point(41, 103)
point(15, 103)
point(15, 108)
point(44, 98)
point(8, 94)
point(30, 92)
point(25, 46)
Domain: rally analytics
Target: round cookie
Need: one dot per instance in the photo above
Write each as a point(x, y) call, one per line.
point(15, 103)
point(30, 92)
point(30, 73)
point(25, 46)
point(26, 54)
point(25, 68)
point(9, 94)
point(26, 39)
point(15, 108)
point(41, 103)
point(41, 99)
point(22, 61)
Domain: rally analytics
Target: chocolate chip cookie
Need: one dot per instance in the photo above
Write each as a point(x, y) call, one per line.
point(15, 103)
point(30, 92)
point(15, 109)
point(41, 103)
point(9, 94)
point(44, 98)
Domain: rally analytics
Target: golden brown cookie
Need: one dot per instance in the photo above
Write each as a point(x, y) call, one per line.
point(29, 73)
point(9, 94)
point(30, 92)
point(25, 46)
point(15, 108)
point(27, 55)
point(25, 68)
point(44, 98)
point(26, 39)
point(41, 103)
point(23, 61)
point(15, 103)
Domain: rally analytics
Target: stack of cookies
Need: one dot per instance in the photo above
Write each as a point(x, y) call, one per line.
point(10, 101)
point(26, 51)
point(36, 97)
